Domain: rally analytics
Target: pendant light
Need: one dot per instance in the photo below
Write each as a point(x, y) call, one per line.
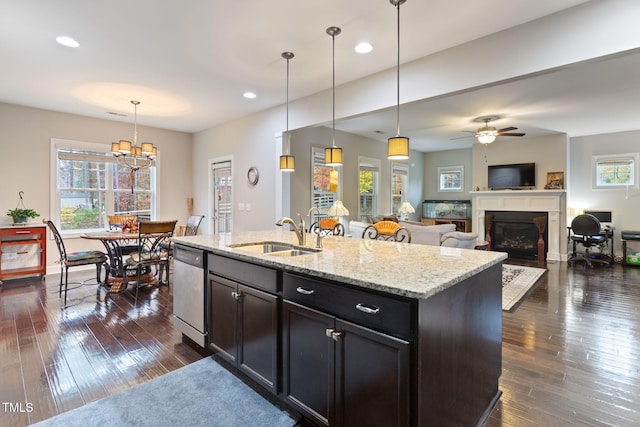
point(287, 161)
point(398, 146)
point(333, 154)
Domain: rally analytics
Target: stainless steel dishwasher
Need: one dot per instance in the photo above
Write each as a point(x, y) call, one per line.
point(189, 293)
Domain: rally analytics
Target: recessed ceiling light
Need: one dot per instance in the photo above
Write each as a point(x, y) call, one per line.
point(363, 47)
point(249, 95)
point(67, 41)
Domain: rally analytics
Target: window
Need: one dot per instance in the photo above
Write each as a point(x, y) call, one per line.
point(89, 185)
point(325, 187)
point(451, 178)
point(615, 171)
point(369, 172)
point(399, 183)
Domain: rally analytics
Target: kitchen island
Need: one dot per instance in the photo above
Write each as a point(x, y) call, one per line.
point(362, 332)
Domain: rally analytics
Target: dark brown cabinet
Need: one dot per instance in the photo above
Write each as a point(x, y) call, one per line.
point(338, 373)
point(244, 328)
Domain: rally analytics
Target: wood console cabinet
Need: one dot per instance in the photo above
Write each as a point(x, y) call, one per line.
point(243, 320)
point(461, 224)
point(23, 251)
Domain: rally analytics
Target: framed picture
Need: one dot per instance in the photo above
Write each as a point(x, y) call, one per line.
point(555, 180)
point(451, 178)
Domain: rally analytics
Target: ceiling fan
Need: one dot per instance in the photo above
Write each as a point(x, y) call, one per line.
point(487, 134)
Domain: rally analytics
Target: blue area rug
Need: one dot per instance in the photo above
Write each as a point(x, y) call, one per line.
point(200, 394)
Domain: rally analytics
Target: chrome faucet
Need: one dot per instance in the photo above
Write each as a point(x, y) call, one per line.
point(319, 235)
point(300, 230)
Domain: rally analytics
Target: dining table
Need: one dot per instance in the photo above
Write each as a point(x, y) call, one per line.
point(116, 243)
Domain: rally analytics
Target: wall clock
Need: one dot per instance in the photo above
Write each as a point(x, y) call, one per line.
point(252, 175)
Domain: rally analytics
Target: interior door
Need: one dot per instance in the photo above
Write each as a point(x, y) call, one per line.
point(222, 198)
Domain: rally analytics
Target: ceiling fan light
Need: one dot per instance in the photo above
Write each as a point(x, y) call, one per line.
point(398, 148)
point(486, 138)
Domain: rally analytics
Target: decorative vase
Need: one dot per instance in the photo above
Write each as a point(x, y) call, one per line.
point(541, 247)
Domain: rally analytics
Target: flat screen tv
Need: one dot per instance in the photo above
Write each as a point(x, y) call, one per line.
point(513, 177)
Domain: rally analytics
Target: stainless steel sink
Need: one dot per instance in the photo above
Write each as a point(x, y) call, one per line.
point(274, 248)
point(292, 252)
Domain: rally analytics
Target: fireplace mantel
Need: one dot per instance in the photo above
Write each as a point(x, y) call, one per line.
point(553, 202)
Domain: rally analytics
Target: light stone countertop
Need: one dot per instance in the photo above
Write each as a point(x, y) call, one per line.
point(405, 269)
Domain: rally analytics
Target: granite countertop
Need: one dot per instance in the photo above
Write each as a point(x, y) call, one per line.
point(405, 269)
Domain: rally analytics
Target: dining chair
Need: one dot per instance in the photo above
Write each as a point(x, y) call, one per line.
point(327, 227)
point(193, 223)
point(151, 253)
point(123, 222)
point(76, 259)
point(387, 230)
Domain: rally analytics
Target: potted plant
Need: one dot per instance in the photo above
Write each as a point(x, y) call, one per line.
point(21, 215)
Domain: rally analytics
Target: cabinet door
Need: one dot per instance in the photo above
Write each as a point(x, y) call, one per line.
point(223, 317)
point(372, 378)
point(258, 355)
point(308, 362)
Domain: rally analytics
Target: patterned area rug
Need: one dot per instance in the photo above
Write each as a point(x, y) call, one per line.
point(516, 282)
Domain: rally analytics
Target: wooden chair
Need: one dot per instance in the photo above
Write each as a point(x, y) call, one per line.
point(387, 230)
point(327, 227)
point(122, 222)
point(76, 259)
point(151, 252)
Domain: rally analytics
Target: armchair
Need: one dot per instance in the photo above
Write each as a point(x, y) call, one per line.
point(458, 239)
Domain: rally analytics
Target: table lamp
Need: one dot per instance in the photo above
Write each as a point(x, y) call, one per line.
point(406, 209)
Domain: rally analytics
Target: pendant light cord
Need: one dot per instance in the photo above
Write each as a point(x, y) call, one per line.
point(333, 39)
point(398, 77)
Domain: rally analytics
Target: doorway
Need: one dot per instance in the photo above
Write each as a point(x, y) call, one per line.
point(222, 218)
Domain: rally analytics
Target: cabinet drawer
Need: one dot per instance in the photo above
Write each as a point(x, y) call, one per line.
point(244, 272)
point(384, 313)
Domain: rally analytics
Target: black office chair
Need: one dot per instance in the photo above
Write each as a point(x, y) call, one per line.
point(586, 230)
point(75, 259)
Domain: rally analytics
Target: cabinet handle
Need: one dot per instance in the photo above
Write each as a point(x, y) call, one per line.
point(368, 310)
point(23, 232)
point(333, 334)
point(304, 291)
point(236, 295)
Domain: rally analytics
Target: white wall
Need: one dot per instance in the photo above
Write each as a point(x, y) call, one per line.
point(352, 147)
point(432, 161)
point(25, 135)
point(549, 153)
point(623, 203)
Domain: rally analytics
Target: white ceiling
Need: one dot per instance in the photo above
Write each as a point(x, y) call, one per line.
point(189, 62)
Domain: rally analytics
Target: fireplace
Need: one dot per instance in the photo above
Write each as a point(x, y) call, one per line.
point(517, 233)
point(549, 202)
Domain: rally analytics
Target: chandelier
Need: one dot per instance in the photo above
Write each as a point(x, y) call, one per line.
point(132, 156)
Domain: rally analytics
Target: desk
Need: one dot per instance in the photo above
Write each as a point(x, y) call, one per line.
point(607, 232)
point(112, 241)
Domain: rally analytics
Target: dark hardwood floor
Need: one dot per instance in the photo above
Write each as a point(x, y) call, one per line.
point(54, 360)
point(571, 348)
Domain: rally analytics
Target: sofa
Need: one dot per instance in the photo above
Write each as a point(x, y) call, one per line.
point(421, 234)
point(434, 235)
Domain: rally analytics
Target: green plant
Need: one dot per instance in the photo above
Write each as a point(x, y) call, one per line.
point(22, 213)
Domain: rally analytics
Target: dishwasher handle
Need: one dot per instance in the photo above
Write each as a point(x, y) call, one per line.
point(188, 255)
